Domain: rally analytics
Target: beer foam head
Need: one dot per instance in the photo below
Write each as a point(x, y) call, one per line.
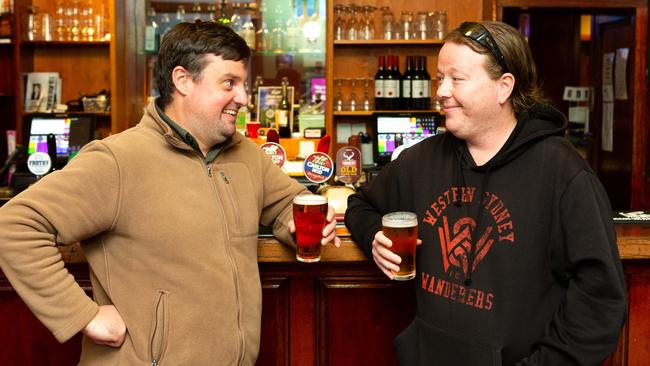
point(399, 219)
point(310, 199)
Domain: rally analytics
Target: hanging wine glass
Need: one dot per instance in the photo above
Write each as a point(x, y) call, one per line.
point(353, 95)
point(367, 101)
point(338, 98)
point(388, 26)
point(368, 26)
point(353, 24)
point(340, 28)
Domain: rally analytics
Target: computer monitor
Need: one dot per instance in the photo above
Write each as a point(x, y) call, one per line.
point(396, 129)
point(71, 133)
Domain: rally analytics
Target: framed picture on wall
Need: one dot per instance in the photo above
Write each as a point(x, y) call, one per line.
point(268, 99)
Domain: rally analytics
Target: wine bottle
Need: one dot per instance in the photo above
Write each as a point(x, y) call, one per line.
point(426, 102)
point(419, 85)
point(224, 19)
point(391, 84)
point(282, 112)
point(407, 78)
point(380, 76)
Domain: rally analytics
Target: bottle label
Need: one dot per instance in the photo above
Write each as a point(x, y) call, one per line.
point(419, 89)
point(391, 88)
point(427, 88)
point(243, 117)
point(249, 37)
point(406, 88)
point(379, 88)
point(281, 118)
point(150, 39)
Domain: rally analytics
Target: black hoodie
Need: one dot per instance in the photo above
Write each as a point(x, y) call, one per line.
point(519, 263)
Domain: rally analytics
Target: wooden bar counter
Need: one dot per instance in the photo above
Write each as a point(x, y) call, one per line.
point(340, 311)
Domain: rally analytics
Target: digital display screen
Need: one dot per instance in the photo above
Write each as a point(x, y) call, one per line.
point(397, 130)
point(71, 133)
point(41, 127)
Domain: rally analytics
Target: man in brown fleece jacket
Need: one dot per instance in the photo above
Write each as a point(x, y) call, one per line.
point(168, 215)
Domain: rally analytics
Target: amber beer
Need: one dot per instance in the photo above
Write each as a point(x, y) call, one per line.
point(402, 229)
point(310, 217)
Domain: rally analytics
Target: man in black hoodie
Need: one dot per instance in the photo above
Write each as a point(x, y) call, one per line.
point(518, 263)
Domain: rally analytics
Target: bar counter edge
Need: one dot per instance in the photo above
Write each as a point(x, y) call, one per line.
point(633, 243)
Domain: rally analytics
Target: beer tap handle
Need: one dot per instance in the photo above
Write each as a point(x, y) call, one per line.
point(324, 144)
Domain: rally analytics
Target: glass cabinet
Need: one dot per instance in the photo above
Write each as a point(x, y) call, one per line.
point(287, 40)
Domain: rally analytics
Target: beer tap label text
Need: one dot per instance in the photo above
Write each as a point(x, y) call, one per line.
point(318, 167)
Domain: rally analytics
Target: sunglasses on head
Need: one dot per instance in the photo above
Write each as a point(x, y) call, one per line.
point(478, 33)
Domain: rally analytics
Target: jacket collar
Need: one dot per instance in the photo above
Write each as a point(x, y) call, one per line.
point(152, 119)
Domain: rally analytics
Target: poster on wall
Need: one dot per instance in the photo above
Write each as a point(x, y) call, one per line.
point(607, 127)
point(269, 98)
point(620, 73)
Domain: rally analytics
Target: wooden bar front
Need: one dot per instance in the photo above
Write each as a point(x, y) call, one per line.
point(341, 311)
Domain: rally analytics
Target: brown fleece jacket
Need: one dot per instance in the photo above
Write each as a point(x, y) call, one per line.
point(171, 242)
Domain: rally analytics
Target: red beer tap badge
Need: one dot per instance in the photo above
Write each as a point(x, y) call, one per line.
point(348, 164)
point(276, 152)
point(318, 167)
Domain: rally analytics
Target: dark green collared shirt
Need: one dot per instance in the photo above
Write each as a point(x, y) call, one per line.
point(189, 139)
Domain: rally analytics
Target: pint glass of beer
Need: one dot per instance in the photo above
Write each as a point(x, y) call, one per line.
point(310, 217)
point(402, 229)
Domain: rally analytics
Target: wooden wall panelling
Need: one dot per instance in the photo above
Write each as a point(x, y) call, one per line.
point(128, 63)
point(359, 317)
point(641, 131)
point(303, 329)
point(638, 323)
point(84, 69)
point(274, 347)
point(25, 340)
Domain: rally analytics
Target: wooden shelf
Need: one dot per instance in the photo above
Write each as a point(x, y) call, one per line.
point(65, 43)
point(98, 114)
point(384, 42)
point(369, 113)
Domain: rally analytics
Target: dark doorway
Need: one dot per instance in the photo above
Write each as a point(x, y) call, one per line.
point(568, 55)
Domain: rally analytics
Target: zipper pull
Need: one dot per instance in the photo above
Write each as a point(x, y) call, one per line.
point(154, 363)
point(225, 178)
point(209, 170)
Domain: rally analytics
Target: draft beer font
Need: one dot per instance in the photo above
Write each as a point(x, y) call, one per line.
point(402, 229)
point(310, 217)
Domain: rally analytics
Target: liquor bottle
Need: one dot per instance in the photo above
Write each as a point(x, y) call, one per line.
point(243, 118)
point(407, 77)
point(151, 32)
point(180, 14)
point(253, 102)
point(282, 112)
point(391, 83)
point(248, 31)
point(426, 102)
point(294, 32)
point(380, 76)
point(263, 35)
point(224, 19)
point(236, 21)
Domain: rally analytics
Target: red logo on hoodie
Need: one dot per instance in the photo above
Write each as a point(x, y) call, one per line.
point(459, 239)
point(456, 244)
